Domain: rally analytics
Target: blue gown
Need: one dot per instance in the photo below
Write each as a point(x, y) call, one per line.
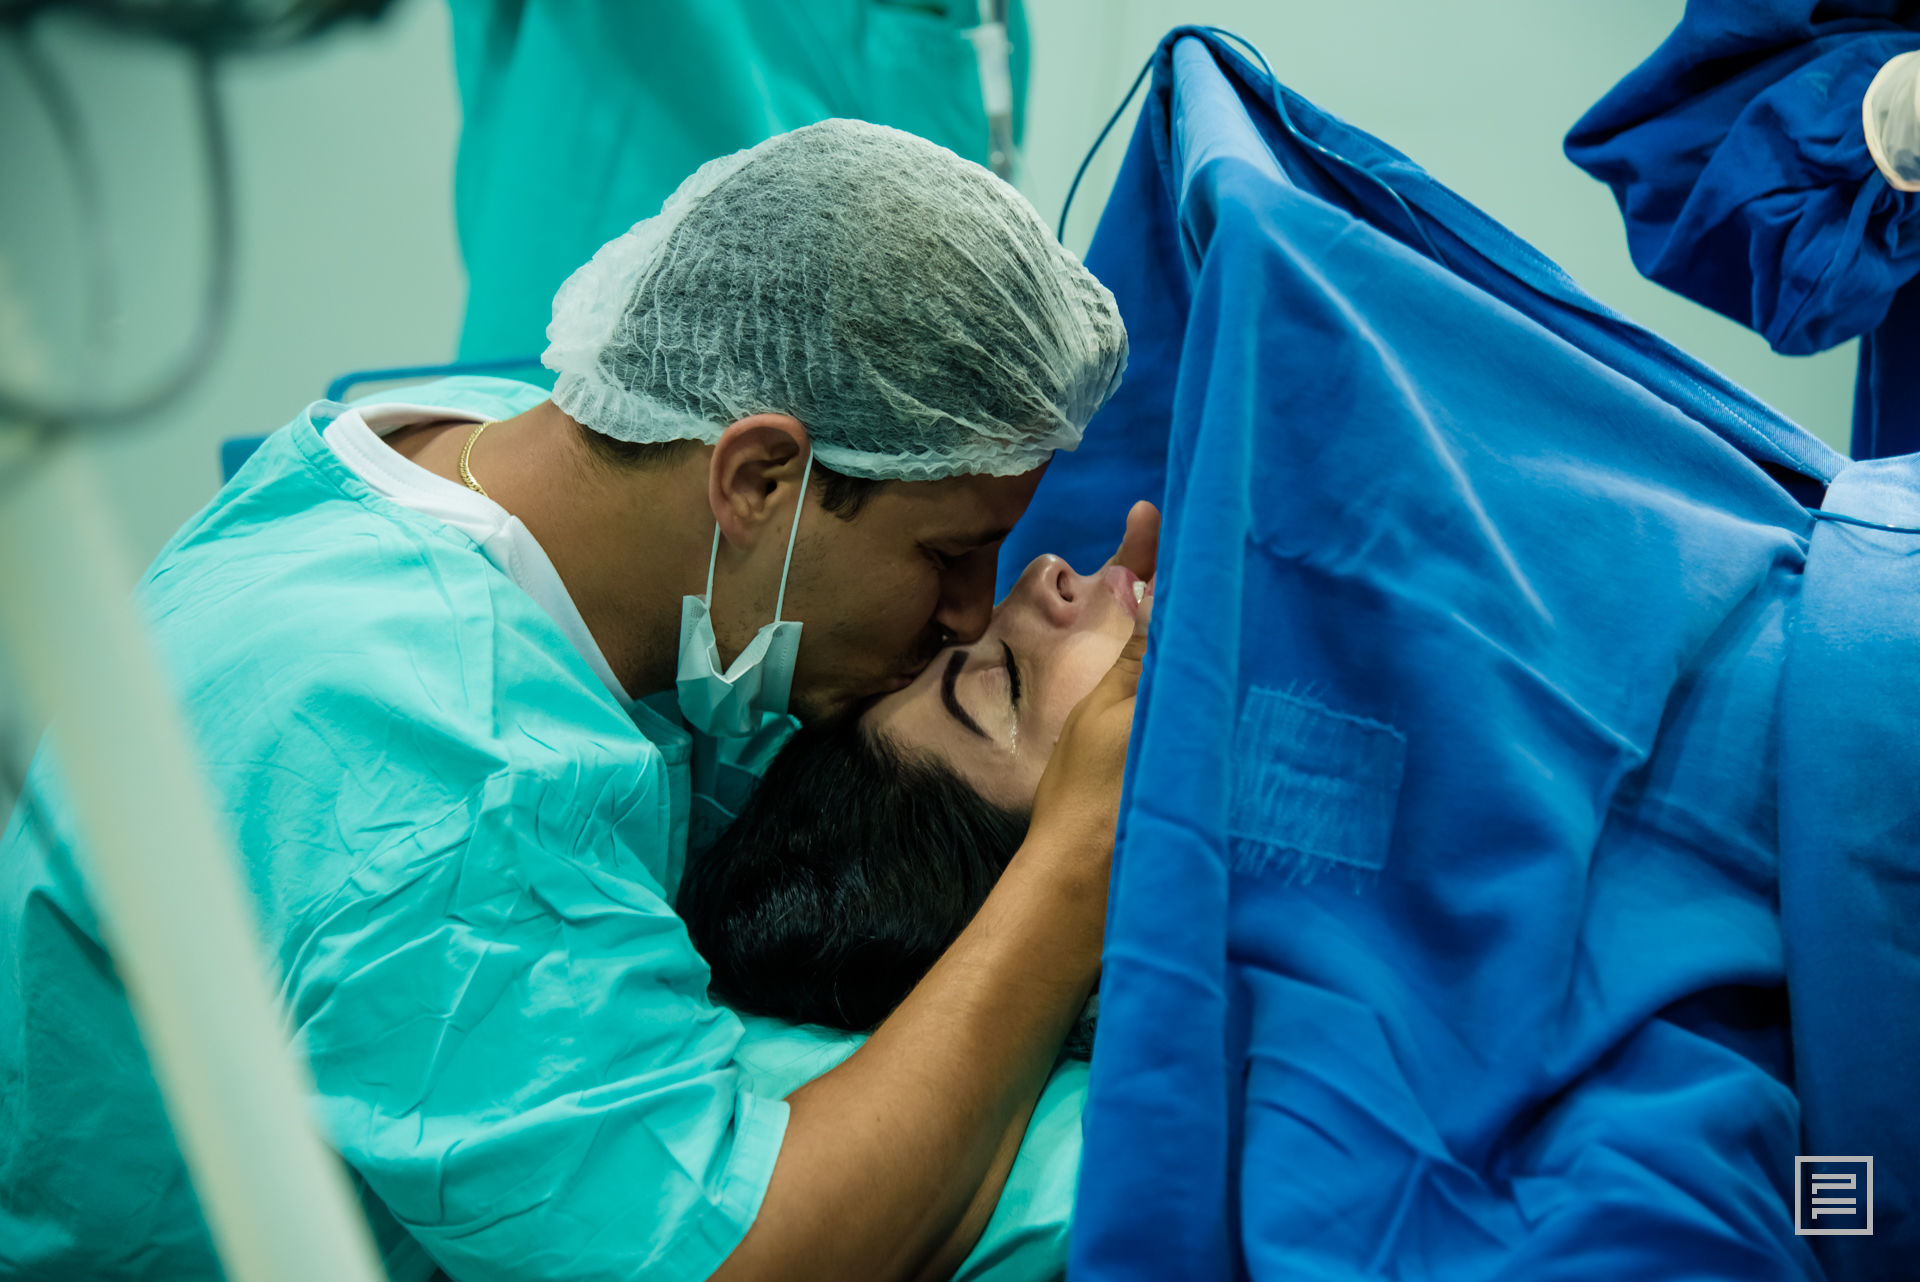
point(1738, 158)
point(1445, 937)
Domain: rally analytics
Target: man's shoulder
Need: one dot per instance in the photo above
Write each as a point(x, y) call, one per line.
point(308, 564)
point(321, 600)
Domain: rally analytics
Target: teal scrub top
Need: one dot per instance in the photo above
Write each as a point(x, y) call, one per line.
point(580, 117)
point(463, 851)
point(1027, 1236)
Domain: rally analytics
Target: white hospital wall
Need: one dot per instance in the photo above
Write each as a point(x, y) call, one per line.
point(344, 151)
point(343, 154)
point(1479, 92)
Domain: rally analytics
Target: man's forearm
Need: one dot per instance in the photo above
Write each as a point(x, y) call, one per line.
point(959, 1244)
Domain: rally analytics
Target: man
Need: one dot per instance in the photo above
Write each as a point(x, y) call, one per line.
point(450, 658)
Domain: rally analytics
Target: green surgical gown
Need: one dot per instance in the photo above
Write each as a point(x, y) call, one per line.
point(462, 848)
point(580, 117)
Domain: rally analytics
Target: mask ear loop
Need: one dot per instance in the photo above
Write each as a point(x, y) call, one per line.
point(714, 555)
point(798, 507)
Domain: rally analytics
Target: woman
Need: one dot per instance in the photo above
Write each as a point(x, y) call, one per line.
point(875, 836)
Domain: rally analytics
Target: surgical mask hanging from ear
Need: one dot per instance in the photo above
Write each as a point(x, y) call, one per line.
point(730, 704)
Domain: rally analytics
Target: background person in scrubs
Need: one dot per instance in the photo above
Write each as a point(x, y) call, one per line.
point(580, 116)
point(1738, 152)
point(435, 652)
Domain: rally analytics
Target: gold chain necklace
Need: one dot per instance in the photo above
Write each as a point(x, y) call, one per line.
point(466, 451)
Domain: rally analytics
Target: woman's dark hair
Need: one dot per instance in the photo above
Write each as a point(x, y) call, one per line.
point(850, 871)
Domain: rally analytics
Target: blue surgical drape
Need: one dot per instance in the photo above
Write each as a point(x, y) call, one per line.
point(1444, 936)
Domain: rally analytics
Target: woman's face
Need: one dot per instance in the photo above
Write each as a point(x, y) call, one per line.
point(993, 710)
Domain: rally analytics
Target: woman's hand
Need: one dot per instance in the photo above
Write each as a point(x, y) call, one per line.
point(1140, 545)
point(1078, 801)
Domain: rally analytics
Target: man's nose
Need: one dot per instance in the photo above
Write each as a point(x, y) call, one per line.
point(966, 602)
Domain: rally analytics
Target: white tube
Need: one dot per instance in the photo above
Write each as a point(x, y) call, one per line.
point(165, 880)
point(993, 53)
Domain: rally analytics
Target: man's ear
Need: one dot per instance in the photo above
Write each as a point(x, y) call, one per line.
point(752, 463)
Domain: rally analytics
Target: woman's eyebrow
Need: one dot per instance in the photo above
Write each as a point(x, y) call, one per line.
point(957, 661)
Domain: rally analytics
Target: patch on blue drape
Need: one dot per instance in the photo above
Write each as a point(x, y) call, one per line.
point(1314, 790)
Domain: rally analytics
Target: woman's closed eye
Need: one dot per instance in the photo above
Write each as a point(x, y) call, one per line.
point(978, 688)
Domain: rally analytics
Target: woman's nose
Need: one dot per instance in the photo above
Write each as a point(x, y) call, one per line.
point(1050, 586)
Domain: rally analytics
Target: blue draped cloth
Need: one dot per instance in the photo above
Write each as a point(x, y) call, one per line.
point(1738, 157)
point(1444, 937)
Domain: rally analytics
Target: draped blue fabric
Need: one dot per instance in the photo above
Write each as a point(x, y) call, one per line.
point(1738, 157)
point(1444, 939)
point(1850, 861)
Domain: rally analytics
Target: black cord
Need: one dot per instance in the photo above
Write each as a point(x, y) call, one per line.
point(1061, 233)
point(33, 450)
point(216, 301)
point(216, 26)
point(206, 29)
point(83, 167)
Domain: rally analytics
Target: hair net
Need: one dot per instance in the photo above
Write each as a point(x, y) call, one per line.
point(907, 306)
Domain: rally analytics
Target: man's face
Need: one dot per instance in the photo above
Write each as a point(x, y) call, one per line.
point(884, 592)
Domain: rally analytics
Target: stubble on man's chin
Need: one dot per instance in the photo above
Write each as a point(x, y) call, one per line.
point(812, 707)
